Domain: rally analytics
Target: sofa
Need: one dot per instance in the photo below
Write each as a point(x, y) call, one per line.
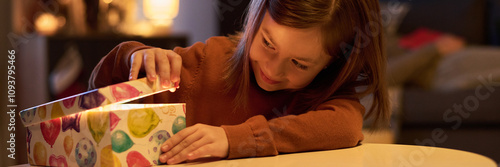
point(468, 118)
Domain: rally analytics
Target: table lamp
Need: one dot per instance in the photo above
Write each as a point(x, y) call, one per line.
point(161, 12)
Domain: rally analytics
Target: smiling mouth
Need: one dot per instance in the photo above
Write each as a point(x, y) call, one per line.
point(266, 79)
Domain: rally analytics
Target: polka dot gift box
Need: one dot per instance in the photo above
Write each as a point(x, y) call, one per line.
point(96, 128)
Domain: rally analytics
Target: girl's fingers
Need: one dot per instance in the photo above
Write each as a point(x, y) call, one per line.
point(165, 63)
point(177, 138)
point(184, 153)
point(150, 65)
point(163, 67)
point(202, 152)
point(180, 146)
point(184, 144)
point(198, 141)
point(135, 67)
point(175, 66)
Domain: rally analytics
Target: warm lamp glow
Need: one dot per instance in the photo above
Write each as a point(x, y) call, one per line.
point(46, 24)
point(161, 11)
point(113, 17)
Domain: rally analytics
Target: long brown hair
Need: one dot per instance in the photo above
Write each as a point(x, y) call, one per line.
point(352, 34)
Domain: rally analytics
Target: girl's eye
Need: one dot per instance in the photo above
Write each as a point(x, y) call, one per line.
point(267, 44)
point(296, 63)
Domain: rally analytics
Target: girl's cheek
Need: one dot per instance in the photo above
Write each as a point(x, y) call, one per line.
point(299, 82)
point(256, 54)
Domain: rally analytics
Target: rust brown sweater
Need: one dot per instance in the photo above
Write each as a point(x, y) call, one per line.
point(267, 127)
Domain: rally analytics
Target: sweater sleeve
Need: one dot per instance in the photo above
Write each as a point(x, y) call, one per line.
point(115, 66)
point(335, 124)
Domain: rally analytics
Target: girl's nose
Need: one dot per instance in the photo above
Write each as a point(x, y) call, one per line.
point(276, 68)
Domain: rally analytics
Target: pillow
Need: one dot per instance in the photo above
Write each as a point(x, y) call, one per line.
point(464, 18)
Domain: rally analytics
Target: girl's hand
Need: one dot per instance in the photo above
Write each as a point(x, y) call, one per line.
point(198, 141)
point(156, 61)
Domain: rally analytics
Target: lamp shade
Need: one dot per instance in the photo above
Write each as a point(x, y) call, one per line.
point(161, 10)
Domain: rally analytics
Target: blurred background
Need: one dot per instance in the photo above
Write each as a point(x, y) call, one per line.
point(444, 58)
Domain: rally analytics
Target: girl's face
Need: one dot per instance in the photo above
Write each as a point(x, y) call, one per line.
point(286, 58)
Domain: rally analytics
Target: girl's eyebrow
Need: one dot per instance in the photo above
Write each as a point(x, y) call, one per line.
point(266, 32)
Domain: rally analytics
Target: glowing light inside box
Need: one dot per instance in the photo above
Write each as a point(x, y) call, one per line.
point(161, 11)
point(118, 107)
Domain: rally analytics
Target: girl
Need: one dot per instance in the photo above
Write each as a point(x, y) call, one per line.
point(290, 82)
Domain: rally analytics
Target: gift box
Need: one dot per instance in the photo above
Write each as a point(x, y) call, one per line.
point(96, 128)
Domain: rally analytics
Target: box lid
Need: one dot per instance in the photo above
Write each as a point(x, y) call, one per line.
point(113, 94)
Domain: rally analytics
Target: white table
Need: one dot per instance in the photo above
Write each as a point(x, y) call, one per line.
point(366, 155)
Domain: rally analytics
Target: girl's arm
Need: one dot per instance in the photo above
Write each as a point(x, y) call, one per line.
point(335, 124)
